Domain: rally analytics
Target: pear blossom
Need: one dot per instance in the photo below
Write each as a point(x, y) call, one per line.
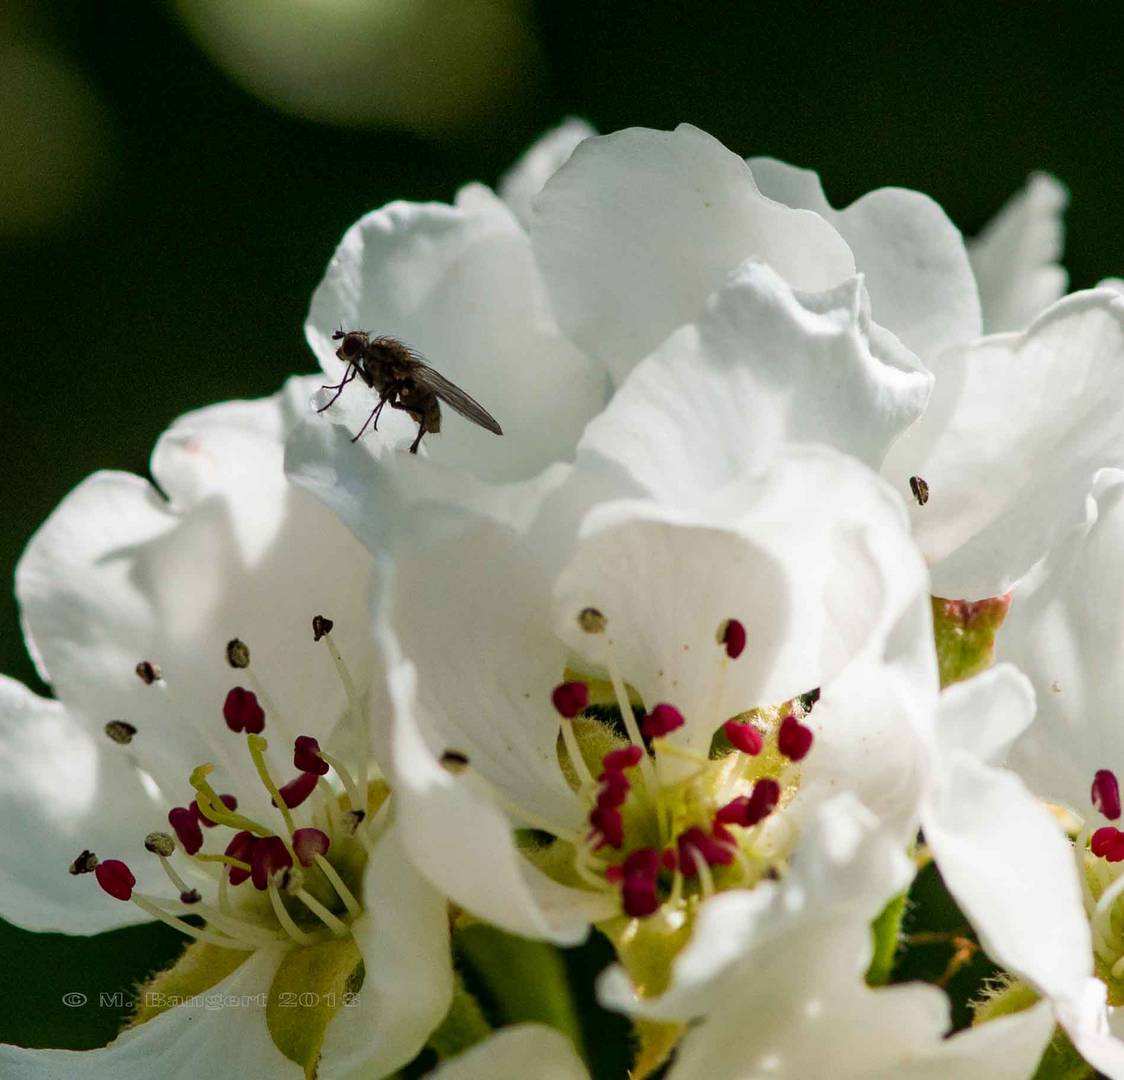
point(540, 305)
point(774, 978)
point(207, 754)
point(501, 629)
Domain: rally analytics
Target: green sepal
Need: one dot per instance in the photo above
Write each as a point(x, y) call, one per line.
point(309, 988)
point(655, 1043)
point(1060, 1061)
point(200, 966)
point(965, 635)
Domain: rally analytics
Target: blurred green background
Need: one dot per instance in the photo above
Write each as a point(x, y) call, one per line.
point(174, 177)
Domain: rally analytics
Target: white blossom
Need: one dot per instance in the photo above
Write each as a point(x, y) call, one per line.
point(156, 614)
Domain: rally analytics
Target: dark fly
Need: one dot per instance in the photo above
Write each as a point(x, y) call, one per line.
point(402, 380)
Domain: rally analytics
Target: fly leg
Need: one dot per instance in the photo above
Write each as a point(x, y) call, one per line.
point(338, 387)
point(419, 417)
point(373, 419)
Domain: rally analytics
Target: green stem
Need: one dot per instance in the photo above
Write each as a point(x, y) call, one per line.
point(520, 980)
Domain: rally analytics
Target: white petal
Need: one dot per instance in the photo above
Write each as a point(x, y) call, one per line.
point(515, 1053)
point(64, 790)
point(211, 1038)
point(1016, 428)
point(117, 575)
point(459, 284)
point(473, 614)
point(639, 227)
point(911, 256)
point(520, 184)
point(1065, 629)
point(985, 715)
point(404, 940)
point(456, 835)
point(873, 725)
point(810, 599)
point(1010, 867)
point(855, 1033)
point(762, 365)
point(1100, 1041)
point(1016, 256)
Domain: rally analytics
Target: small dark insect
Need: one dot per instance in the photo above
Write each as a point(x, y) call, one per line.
point(920, 490)
point(403, 380)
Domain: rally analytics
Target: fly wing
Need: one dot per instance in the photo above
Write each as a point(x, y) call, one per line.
point(455, 397)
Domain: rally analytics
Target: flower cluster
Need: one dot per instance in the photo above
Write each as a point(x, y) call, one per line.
point(696, 657)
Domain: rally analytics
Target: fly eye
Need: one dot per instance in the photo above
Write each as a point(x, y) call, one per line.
point(351, 346)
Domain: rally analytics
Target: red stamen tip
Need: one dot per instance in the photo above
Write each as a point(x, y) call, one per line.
point(639, 872)
point(242, 712)
point(241, 847)
point(1106, 794)
point(607, 821)
point(695, 844)
point(186, 826)
point(613, 874)
point(1108, 843)
point(308, 843)
point(570, 698)
point(624, 758)
point(306, 755)
point(297, 790)
point(794, 740)
point(662, 720)
point(115, 878)
point(269, 857)
point(733, 637)
point(744, 737)
point(748, 810)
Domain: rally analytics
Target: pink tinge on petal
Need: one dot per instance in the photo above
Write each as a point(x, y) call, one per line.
point(115, 878)
point(308, 843)
point(242, 712)
point(624, 758)
point(241, 847)
point(733, 637)
point(743, 737)
point(229, 801)
point(186, 826)
point(298, 789)
point(570, 698)
point(794, 740)
point(1106, 793)
point(269, 857)
point(306, 756)
point(662, 720)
